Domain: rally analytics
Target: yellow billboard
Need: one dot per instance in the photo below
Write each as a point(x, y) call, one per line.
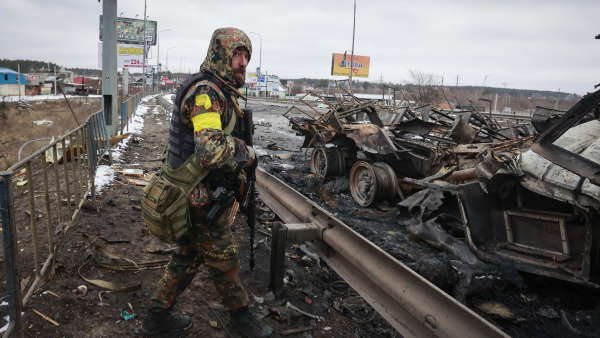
point(340, 65)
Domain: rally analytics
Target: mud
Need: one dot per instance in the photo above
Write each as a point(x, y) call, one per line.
point(41, 119)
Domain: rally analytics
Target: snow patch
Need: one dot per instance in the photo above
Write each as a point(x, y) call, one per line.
point(104, 176)
point(5, 327)
point(43, 97)
point(169, 98)
point(43, 122)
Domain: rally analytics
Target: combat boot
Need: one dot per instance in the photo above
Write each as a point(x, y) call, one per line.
point(164, 323)
point(248, 325)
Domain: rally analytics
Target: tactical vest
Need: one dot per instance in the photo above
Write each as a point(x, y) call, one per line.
point(181, 135)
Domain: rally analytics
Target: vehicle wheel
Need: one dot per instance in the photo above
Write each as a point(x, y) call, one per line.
point(327, 163)
point(371, 183)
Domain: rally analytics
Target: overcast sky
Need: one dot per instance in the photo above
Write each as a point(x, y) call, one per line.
point(534, 44)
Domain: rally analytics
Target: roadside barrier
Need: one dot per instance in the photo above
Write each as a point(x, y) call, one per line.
point(40, 198)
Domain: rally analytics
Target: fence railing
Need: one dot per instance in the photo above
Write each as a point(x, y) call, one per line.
point(40, 197)
point(127, 109)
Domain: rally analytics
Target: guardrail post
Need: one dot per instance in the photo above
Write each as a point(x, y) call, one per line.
point(278, 245)
point(13, 288)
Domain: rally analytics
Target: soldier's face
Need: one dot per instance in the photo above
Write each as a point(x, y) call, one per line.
point(239, 61)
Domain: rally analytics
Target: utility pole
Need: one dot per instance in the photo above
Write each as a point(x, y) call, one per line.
point(352, 53)
point(259, 55)
point(158, 64)
point(19, 79)
point(109, 63)
point(145, 43)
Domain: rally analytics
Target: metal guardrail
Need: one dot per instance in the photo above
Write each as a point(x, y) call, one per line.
point(44, 192)
point(411, 304)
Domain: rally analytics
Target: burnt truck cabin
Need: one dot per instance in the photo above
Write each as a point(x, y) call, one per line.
point(543, 216)
point(536, 234)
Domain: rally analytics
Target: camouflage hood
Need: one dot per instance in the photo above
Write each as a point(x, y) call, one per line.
point(220, 51)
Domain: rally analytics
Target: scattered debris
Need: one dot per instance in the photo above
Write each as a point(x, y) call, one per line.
point(80, 291)
point(48, 319)
point(105, 284)
point(496, 309)
point(125, 315)
point(297, 330)
point(548, 312)
point(43, 123)
point(309, 315)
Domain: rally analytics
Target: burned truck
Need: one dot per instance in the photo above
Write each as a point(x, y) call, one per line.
point(539, 209)
point(377, 146)
point(530, 201)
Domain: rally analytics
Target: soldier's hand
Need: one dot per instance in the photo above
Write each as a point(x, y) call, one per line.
point(251, 157)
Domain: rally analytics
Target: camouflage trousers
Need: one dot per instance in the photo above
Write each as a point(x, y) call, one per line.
point(211, 245)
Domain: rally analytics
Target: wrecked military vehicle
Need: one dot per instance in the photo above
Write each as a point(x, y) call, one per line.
point(532, 205)
point(539, 209)
point(377, 146)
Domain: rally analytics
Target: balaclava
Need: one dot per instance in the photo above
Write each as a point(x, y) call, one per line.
point(220, 51)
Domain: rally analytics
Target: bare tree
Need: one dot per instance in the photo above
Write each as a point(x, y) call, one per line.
point(425, 90)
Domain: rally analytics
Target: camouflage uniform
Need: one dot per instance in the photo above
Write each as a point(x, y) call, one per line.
point(208, 110)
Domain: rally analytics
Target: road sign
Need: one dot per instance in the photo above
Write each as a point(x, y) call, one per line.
point(131, 31)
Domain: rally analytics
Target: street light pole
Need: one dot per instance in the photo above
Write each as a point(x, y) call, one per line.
point(260, 54)
point(168, 57)
point(158, 54)
point(258, 74)
point(145, 56)
point(168, 69)
point(352, 55)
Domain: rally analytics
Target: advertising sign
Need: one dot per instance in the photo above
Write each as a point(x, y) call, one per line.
point(128, 56)
point(132, 31)
point(340, 65)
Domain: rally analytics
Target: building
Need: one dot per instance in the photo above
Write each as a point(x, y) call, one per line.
point(264, 85)
point(12, 83)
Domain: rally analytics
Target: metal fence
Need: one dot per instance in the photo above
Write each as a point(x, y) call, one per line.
point(127, 109)
point(40, 197)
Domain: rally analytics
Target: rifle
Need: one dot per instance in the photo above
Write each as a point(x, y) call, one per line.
point(248, 131)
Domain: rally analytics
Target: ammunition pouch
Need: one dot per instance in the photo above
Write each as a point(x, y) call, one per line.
point(165, 206)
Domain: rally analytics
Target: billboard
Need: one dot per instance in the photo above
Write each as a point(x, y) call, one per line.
point(340, 65)
point(128, 56)
point(132, 31)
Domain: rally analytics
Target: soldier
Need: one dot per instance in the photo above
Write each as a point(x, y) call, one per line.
point(200, 137)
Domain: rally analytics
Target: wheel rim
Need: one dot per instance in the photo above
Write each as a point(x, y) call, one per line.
point(318, 163)
point(388, 181)
point(374, 182)
point(363, 183)
point(327, 162)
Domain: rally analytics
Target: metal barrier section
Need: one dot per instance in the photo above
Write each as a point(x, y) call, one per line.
point(127, 110)
point(13, 291)
point(40, 197)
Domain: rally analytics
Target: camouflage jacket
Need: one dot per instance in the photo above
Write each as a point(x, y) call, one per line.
point(207, 110)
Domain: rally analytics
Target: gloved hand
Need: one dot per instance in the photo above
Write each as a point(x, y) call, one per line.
point(251, 157)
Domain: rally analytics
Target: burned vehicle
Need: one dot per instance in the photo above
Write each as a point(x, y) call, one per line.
point(377, 146)
point(539, 209)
